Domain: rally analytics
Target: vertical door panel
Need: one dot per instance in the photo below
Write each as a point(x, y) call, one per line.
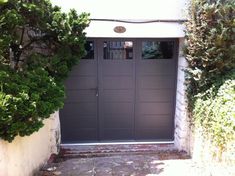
point(155, 89)
point(79, 117)
point(116, 90)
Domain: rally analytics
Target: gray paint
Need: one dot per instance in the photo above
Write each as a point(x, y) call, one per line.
point(135, 99)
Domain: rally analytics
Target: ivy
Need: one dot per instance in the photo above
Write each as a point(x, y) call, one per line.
point(39, 45)
point(210, 43)
point(216, 113)
point(210, 76)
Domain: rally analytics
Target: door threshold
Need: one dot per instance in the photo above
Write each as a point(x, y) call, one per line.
point(116, 143)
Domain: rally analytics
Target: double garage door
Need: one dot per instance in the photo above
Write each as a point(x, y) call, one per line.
point(123, 90)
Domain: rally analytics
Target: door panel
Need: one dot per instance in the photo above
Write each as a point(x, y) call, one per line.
point(89, 68)
point(153, 121)
point(157, 95)
point(159, 133)
point(117, 134)
point(115, 67)
point(158, 67)
point(76, 135)
point(81, 82)
point(154, 108)
point(79, 117)
point(155, 82)
point(116, 91)
point(155, 89)
point(118, 82)
point(117, 121)
point(83, 95)
point(118, 96)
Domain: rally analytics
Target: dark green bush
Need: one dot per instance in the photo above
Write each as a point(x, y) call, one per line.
point(39, 44)
point(26, 99)
point(210, 43)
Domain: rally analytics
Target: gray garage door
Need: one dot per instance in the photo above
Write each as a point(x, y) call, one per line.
point(124, 89)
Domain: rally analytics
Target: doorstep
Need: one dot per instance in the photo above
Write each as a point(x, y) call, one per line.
point(102, 149)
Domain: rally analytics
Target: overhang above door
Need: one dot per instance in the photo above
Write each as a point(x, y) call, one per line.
point(105, 29)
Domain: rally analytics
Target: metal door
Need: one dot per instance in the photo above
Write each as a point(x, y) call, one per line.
point(126, 91)
point(155, 89)
point(116, 89)
point(79, 117)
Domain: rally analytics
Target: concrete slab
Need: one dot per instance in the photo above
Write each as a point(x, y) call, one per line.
point(126, 160)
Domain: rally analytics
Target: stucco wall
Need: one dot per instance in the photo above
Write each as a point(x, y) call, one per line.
point(26, 154)
point(123, 9)
point(182, 130)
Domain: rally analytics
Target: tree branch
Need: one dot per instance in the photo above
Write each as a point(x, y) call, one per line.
point(22, 36)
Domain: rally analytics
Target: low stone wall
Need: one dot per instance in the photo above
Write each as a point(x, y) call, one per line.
point(25, 155)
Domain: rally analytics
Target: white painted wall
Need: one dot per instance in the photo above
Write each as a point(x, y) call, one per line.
point(104, 29)
point(182, 127)
point(127, 9)
point(131, 10)
point(26, 154)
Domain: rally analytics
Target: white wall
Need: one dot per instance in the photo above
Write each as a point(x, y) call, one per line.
point(26, 154)
point(182, 125)
point(127, 9)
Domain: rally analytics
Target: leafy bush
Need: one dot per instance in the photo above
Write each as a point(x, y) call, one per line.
point(210, 77)
point(210, 43)
point(26, 99)
point(39, 44)
point(214, 111)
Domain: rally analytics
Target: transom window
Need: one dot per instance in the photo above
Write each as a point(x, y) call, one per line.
point(157, 49)
point(118, 50)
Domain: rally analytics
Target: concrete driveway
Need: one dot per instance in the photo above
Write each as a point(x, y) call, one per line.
point(126, 160)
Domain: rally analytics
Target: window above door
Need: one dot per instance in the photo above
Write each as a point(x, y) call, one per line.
point(157, 49)
point(117, 50)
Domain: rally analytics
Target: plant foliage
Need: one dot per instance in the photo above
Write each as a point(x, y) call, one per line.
point(210, 42)
point(216, 113)
point(210, 52)
point(39, 44)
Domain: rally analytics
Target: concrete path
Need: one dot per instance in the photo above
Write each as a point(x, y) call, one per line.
point(126, 160)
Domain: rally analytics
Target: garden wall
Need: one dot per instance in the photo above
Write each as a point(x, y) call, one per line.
point(25, 155)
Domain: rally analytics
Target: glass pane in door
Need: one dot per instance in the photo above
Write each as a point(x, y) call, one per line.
point(118, 50)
